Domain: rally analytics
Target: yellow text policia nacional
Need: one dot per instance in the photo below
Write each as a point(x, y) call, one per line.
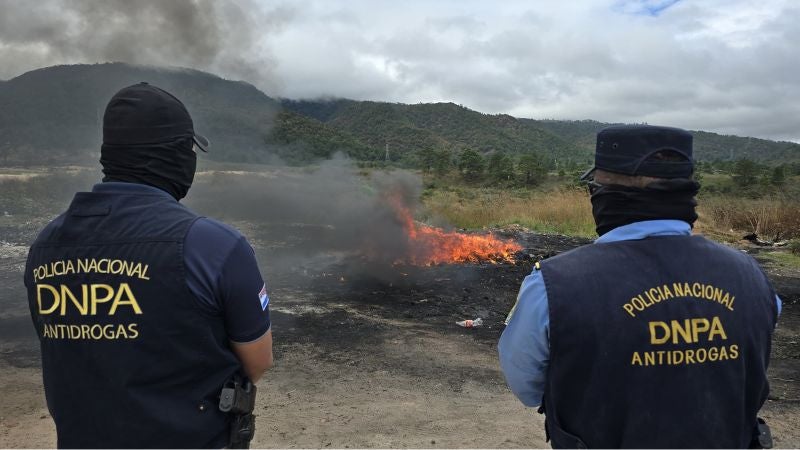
point(91, 265)
point(658, 294)
point(100, 301)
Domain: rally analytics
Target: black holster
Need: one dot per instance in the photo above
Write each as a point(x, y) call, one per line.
point(762, 436)
point(556, 436)
point(238, 398)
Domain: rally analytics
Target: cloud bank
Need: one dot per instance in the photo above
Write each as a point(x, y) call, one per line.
point(727, 66)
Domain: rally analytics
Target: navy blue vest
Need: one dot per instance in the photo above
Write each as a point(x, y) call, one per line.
point(128, 356)
point(661, 342)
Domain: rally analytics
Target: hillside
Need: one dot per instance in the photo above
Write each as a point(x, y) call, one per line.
point(413, 127)
point(707, 146)
point(410, 128)
point(57, 112)
point(54, 115)
point(298, 139)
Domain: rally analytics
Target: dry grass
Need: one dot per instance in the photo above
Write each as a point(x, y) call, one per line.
point(771, 218)
point(568, 211)
point(44, 192)
point(564, 211)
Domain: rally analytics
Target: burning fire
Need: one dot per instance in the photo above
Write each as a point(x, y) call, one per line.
point(430, 245)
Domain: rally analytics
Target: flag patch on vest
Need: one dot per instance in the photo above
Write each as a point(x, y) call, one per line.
point(263, 297)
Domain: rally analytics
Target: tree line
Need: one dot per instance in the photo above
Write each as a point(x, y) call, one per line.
point(495, 168)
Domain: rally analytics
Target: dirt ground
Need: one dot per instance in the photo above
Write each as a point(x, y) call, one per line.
point(374, 361)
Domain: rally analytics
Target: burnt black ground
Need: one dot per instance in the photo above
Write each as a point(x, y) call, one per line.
point(432, 299)
point(426, 300)
point(434, 296)
point(344, 310)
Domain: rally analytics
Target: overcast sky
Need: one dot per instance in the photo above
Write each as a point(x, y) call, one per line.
point(727, 66)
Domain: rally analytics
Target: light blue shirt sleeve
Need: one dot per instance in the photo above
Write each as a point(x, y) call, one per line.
point(524, 347)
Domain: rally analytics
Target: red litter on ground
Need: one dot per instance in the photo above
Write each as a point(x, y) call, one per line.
point(470, 323)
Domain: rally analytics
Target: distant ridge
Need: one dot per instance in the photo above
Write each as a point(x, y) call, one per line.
point(54, 114)
point(57, 111)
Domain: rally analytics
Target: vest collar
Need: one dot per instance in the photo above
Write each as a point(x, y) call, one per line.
point(118, 187)
point(645, 229)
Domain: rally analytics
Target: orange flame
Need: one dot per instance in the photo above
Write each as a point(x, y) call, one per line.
point(430, 245)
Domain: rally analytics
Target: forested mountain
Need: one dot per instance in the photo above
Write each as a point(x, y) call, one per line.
point(707, 146)
point(54, 115)
point(407, 129)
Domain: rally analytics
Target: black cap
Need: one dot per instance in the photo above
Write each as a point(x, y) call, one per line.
point(629, 150)
point(144, 114)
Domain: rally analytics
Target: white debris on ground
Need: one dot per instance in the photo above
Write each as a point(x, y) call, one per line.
point(297, 310)
point(12, 257)
point(11, 250)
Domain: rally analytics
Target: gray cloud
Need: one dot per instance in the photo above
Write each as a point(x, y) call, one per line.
point(719, 65)
point(221, 37)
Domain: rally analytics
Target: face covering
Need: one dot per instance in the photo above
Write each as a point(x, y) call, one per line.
point(169, 166)
point(615, 205)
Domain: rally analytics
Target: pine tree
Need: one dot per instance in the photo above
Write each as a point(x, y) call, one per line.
point(532, 168)
point(471, 164)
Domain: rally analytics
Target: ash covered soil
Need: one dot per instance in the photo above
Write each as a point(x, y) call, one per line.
point(372, 357)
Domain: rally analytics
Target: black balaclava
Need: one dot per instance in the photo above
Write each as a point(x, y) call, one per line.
point(148, 138)
point(169, 166)
point(616, 205)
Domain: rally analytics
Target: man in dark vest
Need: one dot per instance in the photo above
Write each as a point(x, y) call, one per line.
point(650, 337)
point(144, 309)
